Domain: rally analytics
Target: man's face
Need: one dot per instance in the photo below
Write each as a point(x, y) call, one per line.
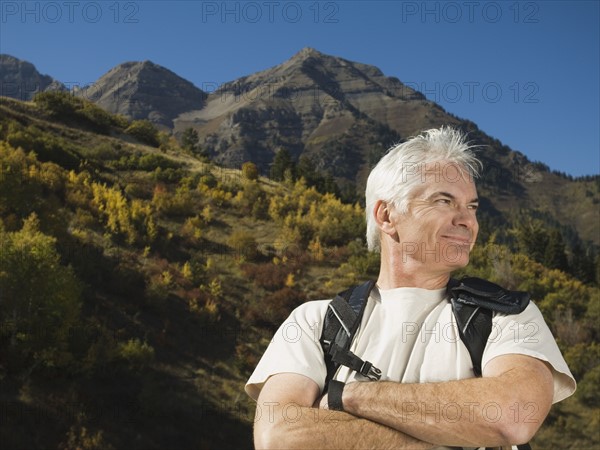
point(440, 227)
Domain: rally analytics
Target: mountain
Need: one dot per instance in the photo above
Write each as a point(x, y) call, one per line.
point(144, 90)
point(342, 114)
point(21, 80)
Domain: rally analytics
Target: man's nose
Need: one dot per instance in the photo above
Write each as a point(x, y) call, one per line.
point(464, 217)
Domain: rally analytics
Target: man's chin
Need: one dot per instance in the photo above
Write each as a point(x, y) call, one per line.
point(456, 255)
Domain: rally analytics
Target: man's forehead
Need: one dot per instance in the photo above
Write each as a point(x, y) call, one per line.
point(450, 177)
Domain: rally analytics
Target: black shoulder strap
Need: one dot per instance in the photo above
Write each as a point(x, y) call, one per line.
point(344, 314)
point(474, 302)
point(479, 292)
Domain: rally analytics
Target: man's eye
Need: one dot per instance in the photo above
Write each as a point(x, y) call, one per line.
point(444, 201)
point(473, 207)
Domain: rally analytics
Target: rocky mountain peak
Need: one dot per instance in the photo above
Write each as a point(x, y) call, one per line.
point(308, 52)
point(145, 90)
point(21, 80)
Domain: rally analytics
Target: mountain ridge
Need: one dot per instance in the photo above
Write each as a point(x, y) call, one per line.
point(340, 114)
point(21, 80)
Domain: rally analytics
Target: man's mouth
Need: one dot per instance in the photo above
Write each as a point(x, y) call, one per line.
point(462, 239)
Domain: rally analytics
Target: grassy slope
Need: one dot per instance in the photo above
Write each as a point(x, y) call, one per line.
point(191, 394)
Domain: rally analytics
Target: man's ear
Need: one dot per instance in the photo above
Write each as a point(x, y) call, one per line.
point(383, 216)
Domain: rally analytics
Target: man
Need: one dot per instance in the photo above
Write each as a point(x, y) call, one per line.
point(421, 205)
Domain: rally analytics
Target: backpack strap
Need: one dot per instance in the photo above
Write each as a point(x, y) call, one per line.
point(344, 314)
point(474, 302)
point(474, 328)
point(479, 292)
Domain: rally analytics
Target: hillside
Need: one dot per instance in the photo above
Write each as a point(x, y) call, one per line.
point(141, 284)
point(338, 117)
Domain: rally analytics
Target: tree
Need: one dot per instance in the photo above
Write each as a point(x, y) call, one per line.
point(306, 169)
point(583, 264)
point(190, 139)
point(281, 164)
point(244, 245)
point(533, 239)
point(40, 300)
point(555, 256)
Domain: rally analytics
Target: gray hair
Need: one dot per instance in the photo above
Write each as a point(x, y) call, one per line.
point(400, 171)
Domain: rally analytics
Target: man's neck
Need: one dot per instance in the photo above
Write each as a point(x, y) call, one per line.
point(395, 273)
point(388, 280)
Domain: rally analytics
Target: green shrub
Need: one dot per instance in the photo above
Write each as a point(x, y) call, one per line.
point(58, 104)
point(250, 171)
point(137, 353)
point(144, 131)
point(64, 105)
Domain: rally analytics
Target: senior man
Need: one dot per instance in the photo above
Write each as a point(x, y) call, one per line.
point(421, 205)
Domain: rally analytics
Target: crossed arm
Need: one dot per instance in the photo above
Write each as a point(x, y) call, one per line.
point(287, 416)
point(506, 406)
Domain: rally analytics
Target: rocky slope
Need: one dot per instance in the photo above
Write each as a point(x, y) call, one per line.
point(21, 80)
point(339, 112)
point(144, 90)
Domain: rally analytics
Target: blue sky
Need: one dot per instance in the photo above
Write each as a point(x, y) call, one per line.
point(527, 72)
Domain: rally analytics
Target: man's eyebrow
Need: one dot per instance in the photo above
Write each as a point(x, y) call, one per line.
point(450, 196)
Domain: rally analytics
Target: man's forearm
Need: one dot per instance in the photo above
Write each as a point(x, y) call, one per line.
point(474, 412)
point(291, 426)
point(427, 412)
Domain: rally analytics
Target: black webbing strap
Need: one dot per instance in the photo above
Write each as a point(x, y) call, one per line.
point(358, 296)
point(343, 317)
point(474, 327)
point(474, 302)
point(334, 395)
point(344, 313)
point(479, 292)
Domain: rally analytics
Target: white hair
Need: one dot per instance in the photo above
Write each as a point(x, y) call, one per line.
point(401, 170)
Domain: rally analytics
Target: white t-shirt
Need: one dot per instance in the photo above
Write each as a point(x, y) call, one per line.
point(410, 334)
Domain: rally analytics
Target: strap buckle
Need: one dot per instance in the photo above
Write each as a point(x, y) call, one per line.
point(370, 371)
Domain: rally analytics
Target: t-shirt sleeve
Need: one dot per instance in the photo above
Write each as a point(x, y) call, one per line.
point(295, 348)
point(528, 334)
